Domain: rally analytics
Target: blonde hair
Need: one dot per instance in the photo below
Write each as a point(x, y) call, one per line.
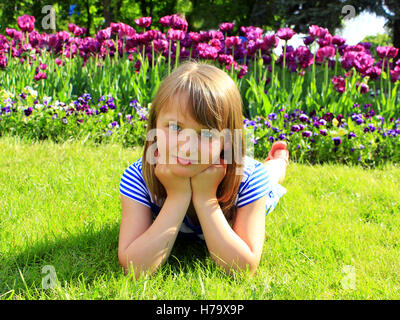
point(213, 101)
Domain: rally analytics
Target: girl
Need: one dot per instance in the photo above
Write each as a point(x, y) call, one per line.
point(169, 190)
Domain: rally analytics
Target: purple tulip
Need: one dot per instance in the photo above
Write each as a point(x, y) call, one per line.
point(179, 23)
point(269, 41)
point(175, 35)
point(363, 61)
point(124, 31)
point(373, 73)
point(114, 27)
point(26, 23)
point(339, 84)
point(174, 21)
point(143, 22)
point(363, 89)
point(252, 47)
point(387, 52)
point(366, 45)
point(40, 76)
point(243, 71)
point(216, 44)
point(394, 74)
point(308, 40)
point(3, 61)
point(303, 57)
point(215, 34)
point(325, 53)
point(231, 42)
point(252, 33)
point(187, 41)
point(266, 59)
point(165, 21)
point(225, 59)
point(195, 37)
point(326, 40)
point(338, 41)
point(226, 26)
point(317, 32)
point(77, 31)
point(206, 51)
point(10, 32)
point(348, 60)
point(160, 45)
point(285, 33)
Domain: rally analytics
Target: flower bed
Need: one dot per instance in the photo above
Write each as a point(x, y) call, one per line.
point(330, 100)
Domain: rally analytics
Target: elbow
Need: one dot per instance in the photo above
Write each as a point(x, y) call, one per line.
point(249, 270)
point(249, 267)
point(133, 268)
point(127, 264)
point(124, 261)
point(252, 264)
point(252, 270)
point(123, 258)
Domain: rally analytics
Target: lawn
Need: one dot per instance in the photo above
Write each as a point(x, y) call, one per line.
point(334, 235)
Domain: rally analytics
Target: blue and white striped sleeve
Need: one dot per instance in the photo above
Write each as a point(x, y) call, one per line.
point(133, 186)
point(256, 186)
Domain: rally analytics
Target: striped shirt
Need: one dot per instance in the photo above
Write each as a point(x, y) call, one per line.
point(255, 184)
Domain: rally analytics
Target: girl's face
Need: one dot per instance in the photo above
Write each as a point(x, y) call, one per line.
point(180, 136)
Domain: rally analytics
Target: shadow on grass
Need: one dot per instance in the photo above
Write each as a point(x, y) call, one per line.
point(80, 259)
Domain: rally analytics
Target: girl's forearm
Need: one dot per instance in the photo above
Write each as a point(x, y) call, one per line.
point(227, 249)
point(152, 248)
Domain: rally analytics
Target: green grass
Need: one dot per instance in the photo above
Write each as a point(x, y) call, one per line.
point(60, 206)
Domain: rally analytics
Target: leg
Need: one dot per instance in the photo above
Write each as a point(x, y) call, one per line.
point(277, 168)
point(278, 161)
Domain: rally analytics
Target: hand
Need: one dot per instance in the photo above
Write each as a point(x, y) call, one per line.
point(173, 184)
point(205, 184)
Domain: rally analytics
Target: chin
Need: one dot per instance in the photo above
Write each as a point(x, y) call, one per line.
point(186, 171)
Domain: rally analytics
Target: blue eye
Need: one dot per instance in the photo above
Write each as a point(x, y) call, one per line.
point(173, 124)
point(207, 134)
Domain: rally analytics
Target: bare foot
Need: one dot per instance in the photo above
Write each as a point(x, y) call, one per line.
point(279, 151)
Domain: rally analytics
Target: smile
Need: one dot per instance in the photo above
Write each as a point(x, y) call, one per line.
point(183, 162)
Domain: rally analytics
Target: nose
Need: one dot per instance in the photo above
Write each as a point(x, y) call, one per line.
point(189, 146)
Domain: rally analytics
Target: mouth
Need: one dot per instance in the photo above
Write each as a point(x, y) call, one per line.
point(184, 162)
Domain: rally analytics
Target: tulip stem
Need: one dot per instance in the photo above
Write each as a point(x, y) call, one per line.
point(152, 55)
point(383, 70)
point(169, 56)
point(336, 62)
point(389, 85)
point(326, 78)
point(284, 68)
point(177, 52)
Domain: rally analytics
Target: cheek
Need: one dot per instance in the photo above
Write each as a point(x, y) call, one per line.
point(212, 149)
point(166, 141)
